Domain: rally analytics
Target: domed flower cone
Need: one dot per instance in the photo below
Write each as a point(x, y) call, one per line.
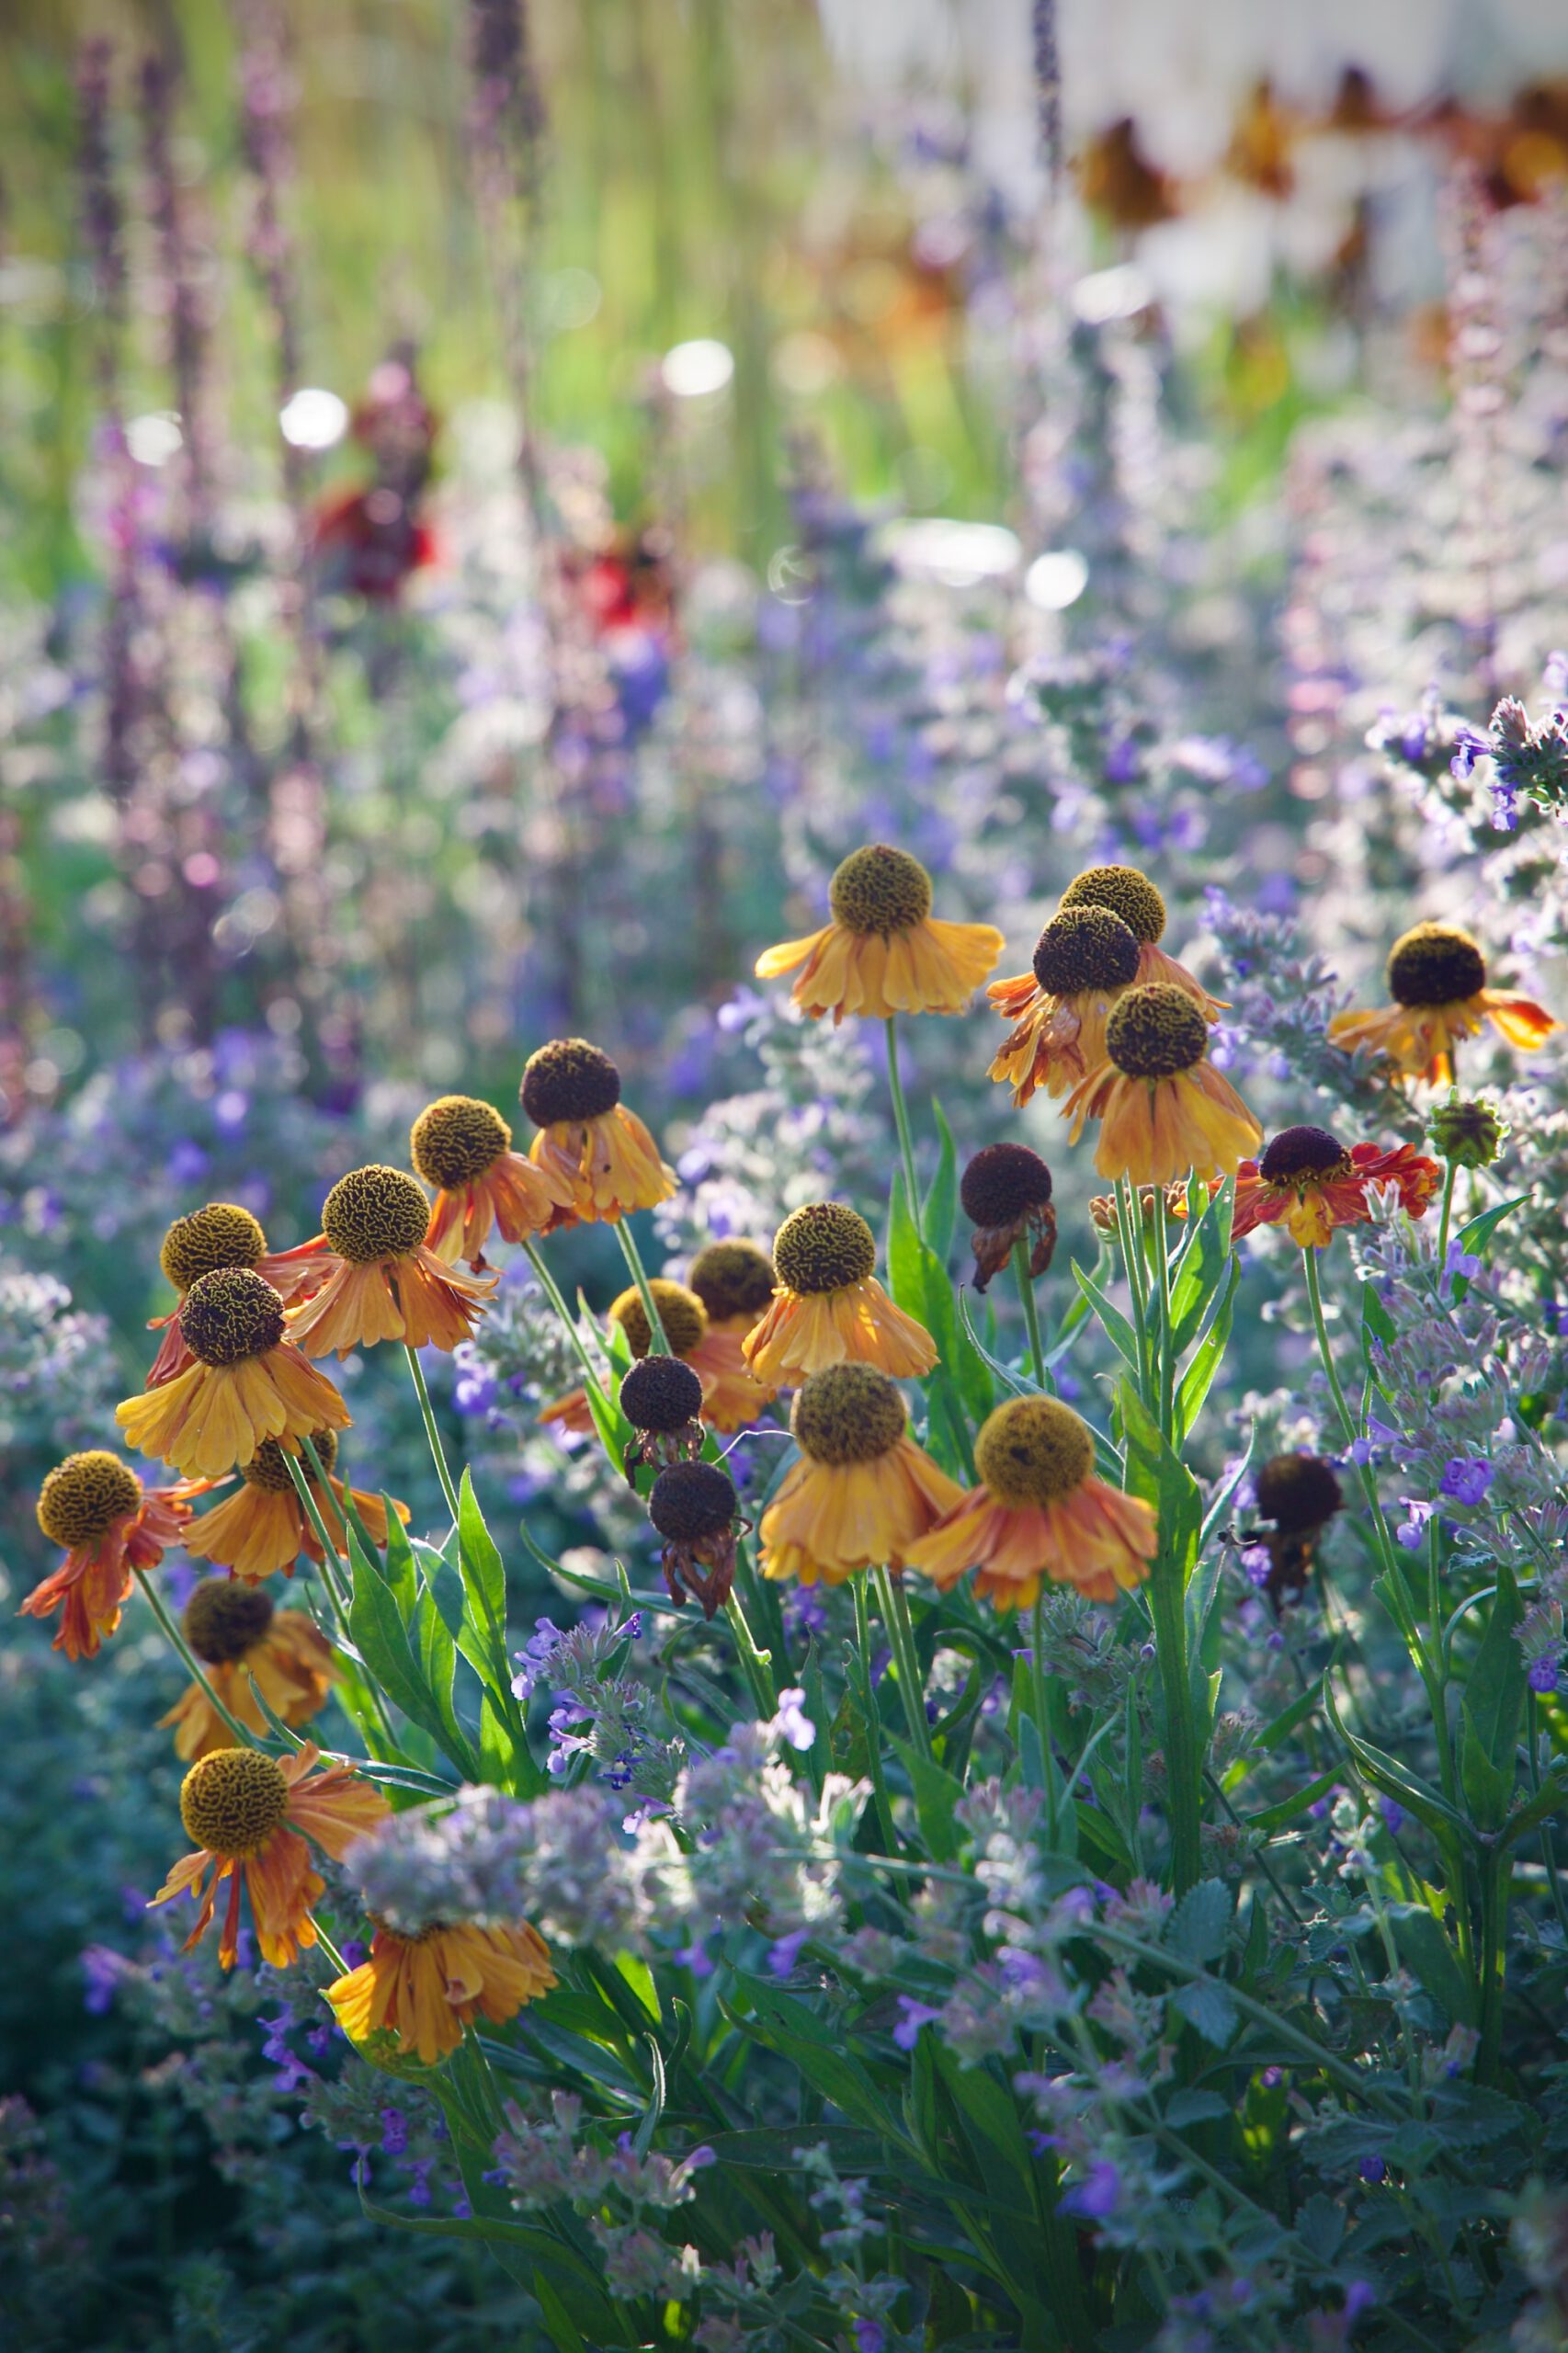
point(250, 1817)
point(828, 1307)
point(220, 1234)
point(1299, 1494)
point(883, 953)
point(1006, 1194)
point(107, 1524)
point(730, 1398)
point(1436, 976)
point(694, 1508)
point(588, 1141)
point(239, 1637)
point(463, 1148)
point(1307, 1182)
point(862, 1494)
point(1039, 1512)
point(381, 1281)
point(246, 1382)
point(1164, 1109)
point(662, 1399)
point(264, 1527)
point(425, 1988)
point(1128, 892)
point(1083, 959)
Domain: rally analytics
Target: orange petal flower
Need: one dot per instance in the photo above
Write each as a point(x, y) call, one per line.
point(381, 1282)
point(829, 1308)
point(264, 1527)
point(1436, 976)
point(862, 1492)
point(244, 1384)
point(240, 1639)
point(1164, 1109)
point(1039, 1512)
point(883, 953)
point(589, 1143)
point(1308, 1183)
point(251, 1815)
point(425, 1988)
point(109, 1524)
point(463, 1148)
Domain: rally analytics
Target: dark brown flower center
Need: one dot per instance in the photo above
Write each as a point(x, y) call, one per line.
point(1003, 1183)
point(1155, 1031)
point(661, 1393)
point(1298, 1492)
point(1434, 964)
point(231, 1314)
point(1126, 893)
point(681, 1312)
point(1301, 1153)
point(825, 1246)
point(231, 1801)
point(850, 1413)
point(1084, 948)
point(691, 1500)
point(375, 1213)
point(81, 1498)
point(879, 889)
point(567, 1082)
point(269, 1466)
point(224, 1617)
point(456, 1139)
point(732, 1278)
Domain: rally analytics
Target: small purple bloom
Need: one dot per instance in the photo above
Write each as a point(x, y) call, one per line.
point(1372, 2169)
point(1098, 2196)
point(1542, 1676)
point(1466, 1481)
point(906, 2033)
point(1393, 1813)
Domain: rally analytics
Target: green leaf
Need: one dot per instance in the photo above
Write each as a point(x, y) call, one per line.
point(376, 1624)
point(1193, 1388)
point(942, 1200)
point(1425, 1949)
point(1199, 1928)
point(1395, 1781)
point(1277, 1817)
point(936, 1795)
point(1550, 1799)
point(1113, 1323)
point(1495, 1687)
point(1199, 1269)
point(401, 1575)
point(562, 2330)
point(1282, 1725)
point(1473, 1238)
point(1487, 1787)
point(1378, 1326)
point(483, 1573)
point(1188, 2108)
point(1210, 2008)
point(1159, 1476)
point(920, 1287)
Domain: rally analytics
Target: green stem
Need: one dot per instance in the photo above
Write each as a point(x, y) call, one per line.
point(1168, 1335)
point(894, 1602)
point(1184, 1761)
point(428, 1411)
point(330, 1503)
point(552, 1290)
point(634, 1258)
point(872, 1714)
point(757, 1664)
point(177, 1642)
point(1495, 1872)
point(1129, 1234)
point(900, 1120)
point(1025, 1281)
point(1449, 1182)
point(338, 1583)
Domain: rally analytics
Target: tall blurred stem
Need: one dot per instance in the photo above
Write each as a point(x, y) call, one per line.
point(900, 1120)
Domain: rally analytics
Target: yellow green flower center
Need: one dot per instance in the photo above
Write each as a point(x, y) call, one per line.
point(230, 1314)
point(690, 1501)
point(1033, 1450)
point(83, 1497)
point(661, 1393)
point(850, 1413)
point(879, 889)
point(457, 1139)
point(732, 1278)
point(220, 1234)
point(231, 1801)
point(1126, 893)
point(1084, 948)
point(1155, 1031)
point(823, 1247)
point(568, 1082)
point(1298, 1492)
point(224, 1617)
point(269, 1466)
point(1302, 1155)
point(1003, 1182)
point(682, 1314)
point(374, 1213)
point(1434, 964)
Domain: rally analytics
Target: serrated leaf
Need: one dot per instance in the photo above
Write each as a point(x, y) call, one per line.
point(1199, 1928)
point(1320, 2226)
point(1207, 2007)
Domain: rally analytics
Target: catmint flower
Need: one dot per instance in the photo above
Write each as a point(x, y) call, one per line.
point(1372, 2169)
point(1466, 1479)
point(1097, 2197)
point(1394, 1815)
point(1543, 1675)
point(1411, 1531)
point(791, 1723)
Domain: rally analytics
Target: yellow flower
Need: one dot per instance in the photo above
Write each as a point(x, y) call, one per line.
point(1083, 959)
point(425, 1988)
point(250, 1816)
point(264, 1526)
point(862, 1493)
point(1128, 892)
point(464, 1147)
point(380, 1281)
point(1164, 1109)
point(96, 1509)
point(1039, 1511)
point(1436, 976)
point(730, 1398)
point(239, 1637)
point(221, 1234)
point(883, 953)
point(828, 1307)
point(588, 1141)
point(246, 1382)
